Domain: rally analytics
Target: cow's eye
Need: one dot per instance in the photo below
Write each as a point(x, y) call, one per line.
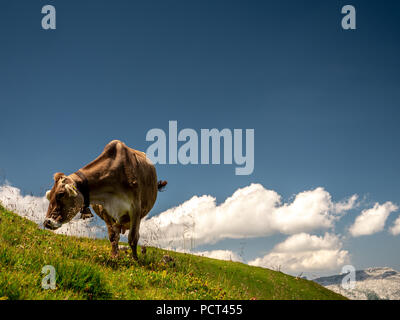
point(60, 195)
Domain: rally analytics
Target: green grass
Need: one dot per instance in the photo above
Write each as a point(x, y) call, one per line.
point(85, 270)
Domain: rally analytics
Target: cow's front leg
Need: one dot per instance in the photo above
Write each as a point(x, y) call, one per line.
point(113, 234)
point(133, 237)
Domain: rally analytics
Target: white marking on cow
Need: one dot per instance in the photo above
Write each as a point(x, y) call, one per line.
point(116, 205)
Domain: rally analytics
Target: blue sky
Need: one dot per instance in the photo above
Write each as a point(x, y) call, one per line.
point(324, 102)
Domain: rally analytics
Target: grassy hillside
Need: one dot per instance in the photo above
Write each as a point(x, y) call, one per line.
point(86, 271)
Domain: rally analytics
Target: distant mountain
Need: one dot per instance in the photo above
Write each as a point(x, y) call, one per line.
point(371, 284)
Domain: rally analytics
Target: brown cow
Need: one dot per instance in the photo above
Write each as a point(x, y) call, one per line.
point(121, 185)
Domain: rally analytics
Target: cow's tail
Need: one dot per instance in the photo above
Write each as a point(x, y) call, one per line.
point(161, 185)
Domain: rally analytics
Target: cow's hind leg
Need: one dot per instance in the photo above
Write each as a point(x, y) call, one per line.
point(133, 237)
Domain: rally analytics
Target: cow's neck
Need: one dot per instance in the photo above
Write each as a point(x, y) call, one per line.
point(82, 183)
point(96, 172)
point(94, 181)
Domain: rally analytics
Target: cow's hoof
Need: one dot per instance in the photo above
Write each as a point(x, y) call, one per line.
point(114, 255)
point(86, 214)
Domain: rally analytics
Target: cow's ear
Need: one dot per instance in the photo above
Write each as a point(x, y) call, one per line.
point(58, 176)
point(48, 194)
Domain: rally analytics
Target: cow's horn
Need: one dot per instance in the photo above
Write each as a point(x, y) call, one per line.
point(71, 190)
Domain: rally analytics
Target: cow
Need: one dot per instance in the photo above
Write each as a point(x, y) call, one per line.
point(121, 186)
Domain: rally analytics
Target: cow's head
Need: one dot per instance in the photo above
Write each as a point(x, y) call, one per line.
point(65, 202)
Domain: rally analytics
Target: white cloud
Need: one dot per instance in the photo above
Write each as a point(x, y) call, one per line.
point(395, 229)
point(30, 207)
point(252, 211)
point(304, 252)
point(344, 206)
point(372, 220)
point(227, 255)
